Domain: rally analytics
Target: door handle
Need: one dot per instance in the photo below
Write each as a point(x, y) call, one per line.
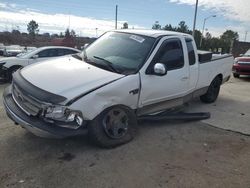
point(184, 78)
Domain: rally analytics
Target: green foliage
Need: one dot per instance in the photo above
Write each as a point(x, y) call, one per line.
point(32, 28)
point(72, 33)
point(67, 33)
point(156, 26)
point(220, 44)
point(125, 25)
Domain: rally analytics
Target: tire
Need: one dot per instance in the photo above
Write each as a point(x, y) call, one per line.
point(11, 71)
point(113, 127)
point(212, 92)
point(236, 75)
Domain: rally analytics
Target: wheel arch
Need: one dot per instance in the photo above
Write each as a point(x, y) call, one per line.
point(15, 67)
point(220, 76)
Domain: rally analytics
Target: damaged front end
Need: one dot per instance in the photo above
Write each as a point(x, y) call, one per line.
point(63, 116)
point(35, 109)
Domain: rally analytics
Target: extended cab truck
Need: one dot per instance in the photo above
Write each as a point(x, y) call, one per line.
point(121, 76)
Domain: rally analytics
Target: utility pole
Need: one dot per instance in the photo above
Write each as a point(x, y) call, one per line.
point(69, 21)
point(116, 12)
point(246, 36)
point(195, 15)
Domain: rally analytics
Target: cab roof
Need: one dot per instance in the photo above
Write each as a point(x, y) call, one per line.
point(153, 33)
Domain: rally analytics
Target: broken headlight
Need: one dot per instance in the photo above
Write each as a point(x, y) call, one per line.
point(62, 113)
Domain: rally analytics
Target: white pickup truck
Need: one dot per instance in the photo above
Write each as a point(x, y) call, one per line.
point(123, 75)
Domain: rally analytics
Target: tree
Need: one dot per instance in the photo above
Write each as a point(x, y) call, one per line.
point(125, 25)
point(227, 39)
point(72, 33)
point(16, 32)
point(208, 36)
point(67, 33)
point(229, 35)
point(156, 26)
point(169, 27)
point(32, 28)
point(61, 35)
point(197, 36)
point(183, 28)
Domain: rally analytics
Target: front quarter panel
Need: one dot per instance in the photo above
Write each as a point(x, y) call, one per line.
point(16, 62)
point(115, 93)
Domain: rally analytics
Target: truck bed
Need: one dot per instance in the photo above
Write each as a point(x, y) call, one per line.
point(208, 70)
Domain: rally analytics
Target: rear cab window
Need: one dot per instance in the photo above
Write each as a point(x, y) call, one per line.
point(190, 50)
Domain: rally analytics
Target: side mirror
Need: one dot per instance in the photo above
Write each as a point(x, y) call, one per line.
point(34, 56)
point(241, 55)
point(86, 45)
point(160, 69)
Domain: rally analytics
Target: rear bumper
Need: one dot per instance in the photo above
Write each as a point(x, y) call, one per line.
point(241, 69)
point(34, 124)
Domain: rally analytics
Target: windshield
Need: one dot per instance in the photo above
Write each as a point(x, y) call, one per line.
point(247, 54)
point(121, 51)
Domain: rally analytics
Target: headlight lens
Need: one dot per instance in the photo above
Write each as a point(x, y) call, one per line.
point(62, 113)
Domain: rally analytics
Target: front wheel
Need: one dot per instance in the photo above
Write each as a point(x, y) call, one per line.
point(213, 91)
point(113, 127)
point(236, 75)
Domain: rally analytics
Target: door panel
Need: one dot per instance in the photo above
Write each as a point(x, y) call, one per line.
point(174, 84)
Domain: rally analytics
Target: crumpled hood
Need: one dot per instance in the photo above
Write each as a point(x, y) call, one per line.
point(67, 76)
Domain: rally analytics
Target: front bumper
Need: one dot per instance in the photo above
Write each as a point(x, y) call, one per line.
point(241, 69)
point(34, 124)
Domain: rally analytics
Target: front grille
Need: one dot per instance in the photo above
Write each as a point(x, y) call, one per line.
point(26, 103)
point(244, 64)
point(244, 71)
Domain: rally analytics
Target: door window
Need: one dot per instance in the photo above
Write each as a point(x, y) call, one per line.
point(48, 53)
point(170, 54)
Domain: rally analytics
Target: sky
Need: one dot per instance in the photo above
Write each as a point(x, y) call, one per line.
point(91, 17)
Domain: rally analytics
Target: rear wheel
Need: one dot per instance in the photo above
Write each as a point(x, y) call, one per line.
point(212, 92)
point(236, 75)
point(113, 127)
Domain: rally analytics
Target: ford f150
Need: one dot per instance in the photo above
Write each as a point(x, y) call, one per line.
point(123, 75)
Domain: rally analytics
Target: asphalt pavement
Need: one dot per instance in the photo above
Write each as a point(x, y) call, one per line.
point(163, 154)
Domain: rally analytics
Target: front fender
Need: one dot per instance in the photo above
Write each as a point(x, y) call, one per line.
point(124, 91)
point(11, 63)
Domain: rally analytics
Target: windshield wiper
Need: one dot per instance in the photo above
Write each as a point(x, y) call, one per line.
point(108, 63)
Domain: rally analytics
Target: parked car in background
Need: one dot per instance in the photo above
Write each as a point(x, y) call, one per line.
point(26, 50)
point(11, 64)
point(241, 65)
point(12, 50)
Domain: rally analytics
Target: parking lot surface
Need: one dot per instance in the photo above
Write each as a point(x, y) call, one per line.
point(163, 154)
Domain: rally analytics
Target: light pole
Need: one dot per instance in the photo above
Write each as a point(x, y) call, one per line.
point(204, 23)
point(195, 15)
point(116, 12)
